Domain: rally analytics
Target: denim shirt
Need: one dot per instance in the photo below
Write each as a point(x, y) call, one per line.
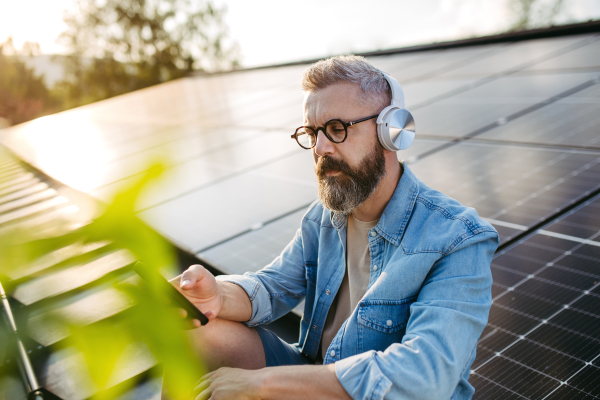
point(414, 333)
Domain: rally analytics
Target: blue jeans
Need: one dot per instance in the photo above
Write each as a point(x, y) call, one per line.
point(278, 352)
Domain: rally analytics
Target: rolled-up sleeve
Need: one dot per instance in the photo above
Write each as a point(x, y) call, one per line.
point(257, 293)
point(276, 289)
point(445, 323)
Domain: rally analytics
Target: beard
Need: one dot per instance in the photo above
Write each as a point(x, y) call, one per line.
point(350, 188)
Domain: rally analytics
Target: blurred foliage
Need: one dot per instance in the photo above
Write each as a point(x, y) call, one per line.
point(23, 94)
point(117, 46)
point(531, 14)
point(123, 45)
point(108, 346)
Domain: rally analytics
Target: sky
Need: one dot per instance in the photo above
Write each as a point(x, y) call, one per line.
point(275, 31)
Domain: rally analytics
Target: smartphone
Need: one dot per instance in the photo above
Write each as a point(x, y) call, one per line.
point(177, 299)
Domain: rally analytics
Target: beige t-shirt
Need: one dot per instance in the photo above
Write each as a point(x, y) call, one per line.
point(355, 282)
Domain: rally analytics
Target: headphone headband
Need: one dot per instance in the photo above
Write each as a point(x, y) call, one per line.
point(395, 124)
point(397, 92)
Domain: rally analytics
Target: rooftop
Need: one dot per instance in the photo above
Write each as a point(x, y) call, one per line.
point(509, 127)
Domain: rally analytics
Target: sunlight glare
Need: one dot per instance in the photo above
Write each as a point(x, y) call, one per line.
point(70, 146)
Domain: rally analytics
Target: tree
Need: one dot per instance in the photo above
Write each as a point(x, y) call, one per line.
point(23, 94)
point(123, 45)
point(534, 13)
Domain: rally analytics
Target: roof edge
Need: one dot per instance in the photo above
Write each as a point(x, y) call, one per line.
point(515, 36)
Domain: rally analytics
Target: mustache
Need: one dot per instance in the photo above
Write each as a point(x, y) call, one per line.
point(327, 163)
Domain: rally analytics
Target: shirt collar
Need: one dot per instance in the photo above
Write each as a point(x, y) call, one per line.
point(397, 212)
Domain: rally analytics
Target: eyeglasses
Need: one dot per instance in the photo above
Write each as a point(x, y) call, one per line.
point(335, 130)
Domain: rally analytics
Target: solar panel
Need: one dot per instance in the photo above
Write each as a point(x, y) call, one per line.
point(247, 199)
point(237, 187)
point(521, 54)
point(467, 112)
point(419, 94)
point(583, 58)
point(514, 187)
point(573, 120)
point(425, 65)
point(420, 147)
point(542, 337)
point(255, 249)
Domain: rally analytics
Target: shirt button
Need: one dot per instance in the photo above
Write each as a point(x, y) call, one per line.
point(327, 292)
point(314, 327)
point(375, 268)
point(332, 353)
point(373, 233)
point(389, 322)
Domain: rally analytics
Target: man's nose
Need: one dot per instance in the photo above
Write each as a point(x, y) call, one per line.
point(323, 146)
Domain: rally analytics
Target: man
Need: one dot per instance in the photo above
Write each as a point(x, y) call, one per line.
point(395, 275)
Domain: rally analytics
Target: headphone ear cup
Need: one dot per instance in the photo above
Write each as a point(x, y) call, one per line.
point(395, 128)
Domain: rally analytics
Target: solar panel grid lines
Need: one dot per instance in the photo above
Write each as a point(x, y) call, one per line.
point(481, 171)
point(546, 107)
point(249, 152)
point(570, 121)
point(473, 56)
point(225, 176)
point(585, 58)
point(502, 340)
point(516, 378)
point(474, 137)
point(192, 146)
point(477, 82)
point(433, 62)
point(25, 190)
point(80, 297)
point(532, 51)
point(256, 248)
point(489, 108)
point(21, 181)
point(569, 315)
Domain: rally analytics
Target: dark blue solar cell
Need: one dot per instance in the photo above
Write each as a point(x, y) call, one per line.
point(518, 378)
point(551, 243)
point(538, 255)
point(590, 304)
point(495, 340)
point(569, 392)
point(528, 305)
point(573, 230)
point(589, 250)
point(580, 263)
point(482, 356)
point(568, 278)
point(548, 291)
point(588, 380)
point(544, 360)
point(486, 389)
point(578, 321)
point(566, 341)
point(506, 278)
point(511, 321)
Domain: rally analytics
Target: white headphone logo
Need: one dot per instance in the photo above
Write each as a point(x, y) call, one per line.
point(395, 125)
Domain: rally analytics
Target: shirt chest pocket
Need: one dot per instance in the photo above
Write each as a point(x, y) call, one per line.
point(382, 323)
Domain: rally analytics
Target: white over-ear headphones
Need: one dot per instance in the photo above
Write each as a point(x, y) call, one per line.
point(395, 124)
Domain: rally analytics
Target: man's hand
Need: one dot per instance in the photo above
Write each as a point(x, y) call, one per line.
point(297, 382)
point(228, 384)
point(200, 287)
point(214, 298)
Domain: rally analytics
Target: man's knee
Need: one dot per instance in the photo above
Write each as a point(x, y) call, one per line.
point(222, 343)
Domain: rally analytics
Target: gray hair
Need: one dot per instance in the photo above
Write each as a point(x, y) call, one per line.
point(350, 68)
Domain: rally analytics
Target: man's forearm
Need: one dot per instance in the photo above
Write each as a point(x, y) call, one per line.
point(236, 305)
point(301, 382)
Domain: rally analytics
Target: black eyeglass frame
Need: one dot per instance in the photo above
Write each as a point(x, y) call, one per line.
point(324, 130)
